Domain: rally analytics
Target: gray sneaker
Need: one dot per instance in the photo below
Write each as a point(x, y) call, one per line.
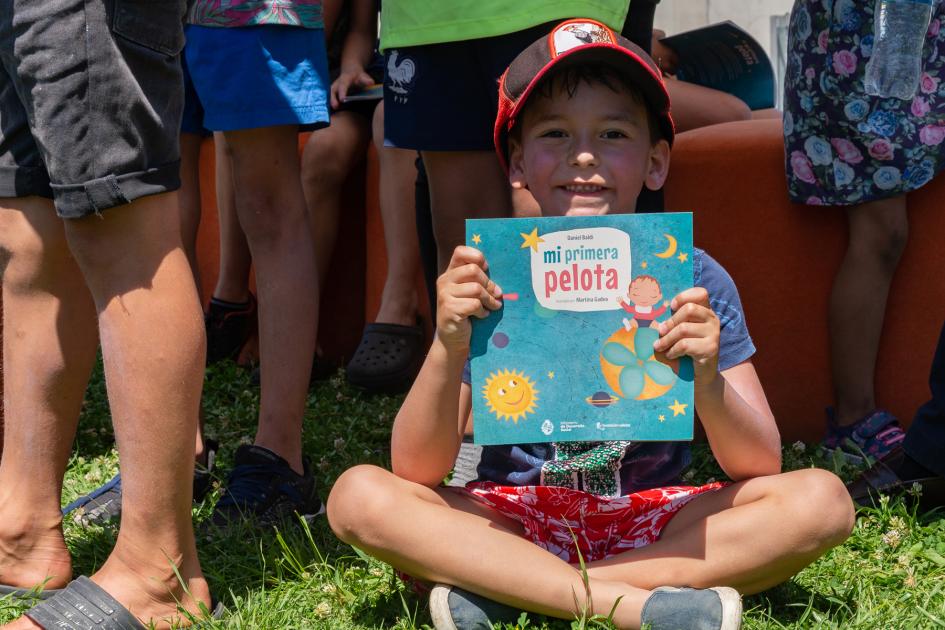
point(452, 608)
point(670, 608)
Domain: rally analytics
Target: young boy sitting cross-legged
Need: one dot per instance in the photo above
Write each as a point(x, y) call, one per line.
point(584, 124)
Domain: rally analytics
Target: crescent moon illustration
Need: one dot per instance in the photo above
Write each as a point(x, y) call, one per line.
point(669, 250)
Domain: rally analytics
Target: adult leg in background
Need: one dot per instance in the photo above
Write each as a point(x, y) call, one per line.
point(50, 340)
point(235, 257)
point(398, 175)
point(455, 195)
point(153, 347)
point(877, 237)
point(271, 208)
point(143, 292)
point(330, 155)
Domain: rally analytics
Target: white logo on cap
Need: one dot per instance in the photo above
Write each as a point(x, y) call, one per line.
point(574, 34)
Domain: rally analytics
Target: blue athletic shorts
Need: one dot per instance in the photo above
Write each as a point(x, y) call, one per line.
point(259, 76)
point(444, 97)
point(192, 121)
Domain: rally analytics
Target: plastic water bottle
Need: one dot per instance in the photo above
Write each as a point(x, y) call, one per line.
point(899, 30)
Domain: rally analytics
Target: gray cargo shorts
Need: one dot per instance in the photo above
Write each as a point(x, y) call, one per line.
point(91, 94)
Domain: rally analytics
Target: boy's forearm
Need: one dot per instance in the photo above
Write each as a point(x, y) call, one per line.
point(357, 52)
point(742, 438)
point(427, 432)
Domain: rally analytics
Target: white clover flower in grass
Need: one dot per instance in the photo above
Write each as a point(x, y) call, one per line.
point(799, 447)
point(329, 588)
point(892, 538)
point(339, 443)
point(323, 610)
point(376, 572)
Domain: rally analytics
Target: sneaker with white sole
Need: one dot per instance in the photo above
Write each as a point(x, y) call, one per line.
point(453, 608)
point(670, 608)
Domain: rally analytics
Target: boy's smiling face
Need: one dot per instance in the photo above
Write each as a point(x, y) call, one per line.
point(586, 153)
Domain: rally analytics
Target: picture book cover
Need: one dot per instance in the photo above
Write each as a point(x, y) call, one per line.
point(569, 355)
point(725, 57)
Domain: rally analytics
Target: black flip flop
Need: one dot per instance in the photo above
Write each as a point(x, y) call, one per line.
point(85, 604)
point(387, 359)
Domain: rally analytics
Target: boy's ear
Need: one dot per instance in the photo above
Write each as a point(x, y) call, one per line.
point(516, 165)
point(658, 165)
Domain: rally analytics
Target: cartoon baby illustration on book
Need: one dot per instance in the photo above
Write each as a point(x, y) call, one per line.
point(643, 294)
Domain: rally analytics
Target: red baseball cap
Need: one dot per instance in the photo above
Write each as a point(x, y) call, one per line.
point(588, 40)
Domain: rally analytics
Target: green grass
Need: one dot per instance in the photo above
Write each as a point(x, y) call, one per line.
point(890, 574)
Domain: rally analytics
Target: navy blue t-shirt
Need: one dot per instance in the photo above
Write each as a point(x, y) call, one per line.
point(618, 467)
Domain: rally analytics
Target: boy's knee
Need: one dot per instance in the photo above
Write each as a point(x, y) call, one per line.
point(359, 502)
point(823, 505)
point(268, 222)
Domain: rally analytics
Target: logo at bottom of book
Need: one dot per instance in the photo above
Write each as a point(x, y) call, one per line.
point(603, 427)
point(547, 427)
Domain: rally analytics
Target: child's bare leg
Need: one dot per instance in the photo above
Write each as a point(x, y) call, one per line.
point(329, 157)
point(455, 195)
point(397, 185)
point(235, 259)
point(49, 344)
point(750, 535)
point(878, 232)
point(445, 536)
point(271, 208)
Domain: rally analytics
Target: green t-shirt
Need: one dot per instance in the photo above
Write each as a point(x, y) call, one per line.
point(417, 22)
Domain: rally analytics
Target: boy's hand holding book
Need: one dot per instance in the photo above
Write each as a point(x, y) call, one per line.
point(463, 291)
point(693, 331)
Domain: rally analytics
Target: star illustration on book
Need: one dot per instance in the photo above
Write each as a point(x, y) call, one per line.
point(476, 239)
point(683, 257)
point(644, 264)
point(551, 374)
point(678, 408)
point(531, 240)
point(662, 418)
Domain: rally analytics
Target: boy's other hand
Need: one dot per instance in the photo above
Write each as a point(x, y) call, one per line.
point(463, 291)
point(693, 331)
point(340, 87)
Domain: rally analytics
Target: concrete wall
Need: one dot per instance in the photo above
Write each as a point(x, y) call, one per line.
point(676, 16)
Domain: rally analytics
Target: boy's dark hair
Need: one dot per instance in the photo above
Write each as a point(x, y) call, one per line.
point(569, 76)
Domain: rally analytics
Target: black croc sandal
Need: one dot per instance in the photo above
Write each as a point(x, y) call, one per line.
point(387, 359)
point(85, 604)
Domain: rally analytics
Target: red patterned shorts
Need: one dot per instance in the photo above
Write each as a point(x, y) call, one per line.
point(555, 518)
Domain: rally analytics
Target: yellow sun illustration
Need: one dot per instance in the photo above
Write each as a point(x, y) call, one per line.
point(510, 394)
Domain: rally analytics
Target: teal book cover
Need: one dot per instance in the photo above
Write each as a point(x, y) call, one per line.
point(569, 355)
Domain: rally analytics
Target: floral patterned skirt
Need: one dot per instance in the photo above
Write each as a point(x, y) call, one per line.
point(842, 146)
point(555, 518)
